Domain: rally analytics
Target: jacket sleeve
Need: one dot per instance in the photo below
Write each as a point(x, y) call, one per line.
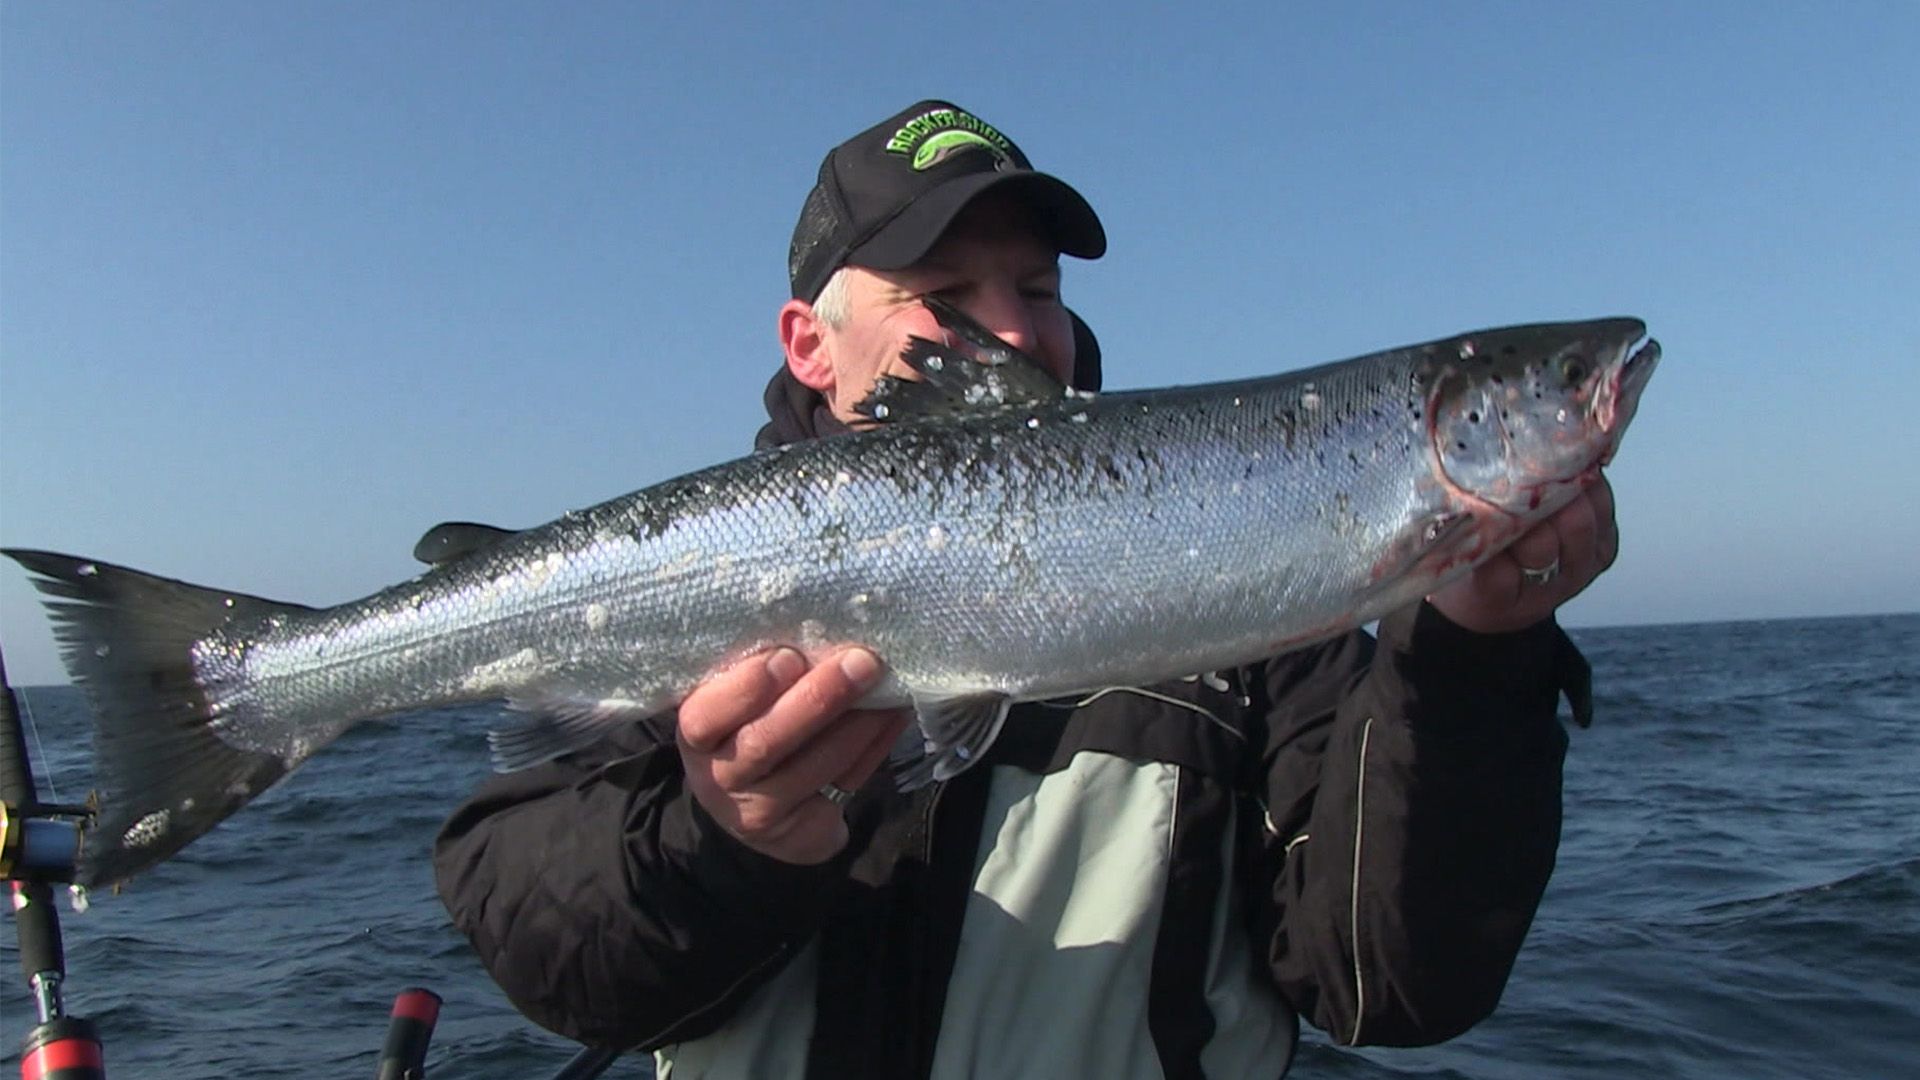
point(610, 907)
point(1413, 814)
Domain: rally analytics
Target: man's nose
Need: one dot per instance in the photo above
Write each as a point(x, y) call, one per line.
point(1005, 313)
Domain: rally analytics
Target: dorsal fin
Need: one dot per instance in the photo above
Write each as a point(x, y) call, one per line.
point(989, 375)
point(988, 347)
point(452, 540)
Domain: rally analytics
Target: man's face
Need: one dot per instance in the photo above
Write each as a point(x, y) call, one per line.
point(990, 263)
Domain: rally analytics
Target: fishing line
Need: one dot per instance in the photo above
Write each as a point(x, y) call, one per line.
point(40, 751)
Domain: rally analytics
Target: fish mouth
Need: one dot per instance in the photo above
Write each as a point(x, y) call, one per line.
point(1619, 396)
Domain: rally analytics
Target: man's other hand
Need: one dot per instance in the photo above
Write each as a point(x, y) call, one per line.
point(1578, 543)
point(761, 739)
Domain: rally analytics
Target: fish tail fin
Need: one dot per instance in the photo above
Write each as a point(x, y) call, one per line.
point(164, 775)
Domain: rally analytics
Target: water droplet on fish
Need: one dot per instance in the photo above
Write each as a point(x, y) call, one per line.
point(597, 617)
point(102, 650)
point(857, 605)
point(228, 601)
point(880, 412)
point(1033, 421)
point(963, 753)
point(936, 538)
point(1078, 418)
point(86, 569)
point(1467, 350)
point(1310, 400)
point(935, 363)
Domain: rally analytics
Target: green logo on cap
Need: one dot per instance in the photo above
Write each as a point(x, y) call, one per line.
point(933, 137)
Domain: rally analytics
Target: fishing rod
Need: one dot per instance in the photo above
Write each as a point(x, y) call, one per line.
point(39, 843)
point(416, 1010)
point(39, 846)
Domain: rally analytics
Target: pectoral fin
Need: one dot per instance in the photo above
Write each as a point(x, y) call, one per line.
point(558, 724)
point(955, 732)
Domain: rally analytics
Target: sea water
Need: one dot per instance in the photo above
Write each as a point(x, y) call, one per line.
point(1737, 893)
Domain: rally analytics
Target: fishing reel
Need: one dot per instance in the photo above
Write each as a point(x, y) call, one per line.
point(40, 842)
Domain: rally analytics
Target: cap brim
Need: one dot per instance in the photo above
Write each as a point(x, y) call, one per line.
point(1069, 220)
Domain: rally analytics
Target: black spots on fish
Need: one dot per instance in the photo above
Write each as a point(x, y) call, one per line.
point(833, 540)
point(651, 513)
point(1473, 416)
point(650, 519)
point(1288, 422)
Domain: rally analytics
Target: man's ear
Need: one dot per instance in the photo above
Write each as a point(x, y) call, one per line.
point(804, 338)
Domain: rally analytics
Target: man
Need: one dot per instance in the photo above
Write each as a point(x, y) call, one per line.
point(1155, 881)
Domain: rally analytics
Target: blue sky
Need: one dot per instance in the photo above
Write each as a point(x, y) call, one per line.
point(283, 284)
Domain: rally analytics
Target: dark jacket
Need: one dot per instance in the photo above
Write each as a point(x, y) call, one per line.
point(1386, 814)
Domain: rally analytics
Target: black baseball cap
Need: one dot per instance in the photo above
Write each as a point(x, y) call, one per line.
point(886, 195)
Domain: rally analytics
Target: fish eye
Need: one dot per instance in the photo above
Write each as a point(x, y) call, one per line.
point(1573, 369)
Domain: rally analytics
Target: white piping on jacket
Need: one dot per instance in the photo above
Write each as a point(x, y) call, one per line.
point(1145, 693)
point(1359, 828)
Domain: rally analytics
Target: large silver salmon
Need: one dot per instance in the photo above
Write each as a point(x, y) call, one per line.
point(994, 538)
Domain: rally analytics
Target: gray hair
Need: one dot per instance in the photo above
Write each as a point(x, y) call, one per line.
point(832, 307)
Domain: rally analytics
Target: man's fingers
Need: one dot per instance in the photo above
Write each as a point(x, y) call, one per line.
point(829, 757)
point(876, 751)
point(1577, 528)
point(1601, 496)
point(809, 707)
point(1536, 550)
point(1607, 543)
point(718, 707)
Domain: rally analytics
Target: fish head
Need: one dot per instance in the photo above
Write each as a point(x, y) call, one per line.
point(1522, 418)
